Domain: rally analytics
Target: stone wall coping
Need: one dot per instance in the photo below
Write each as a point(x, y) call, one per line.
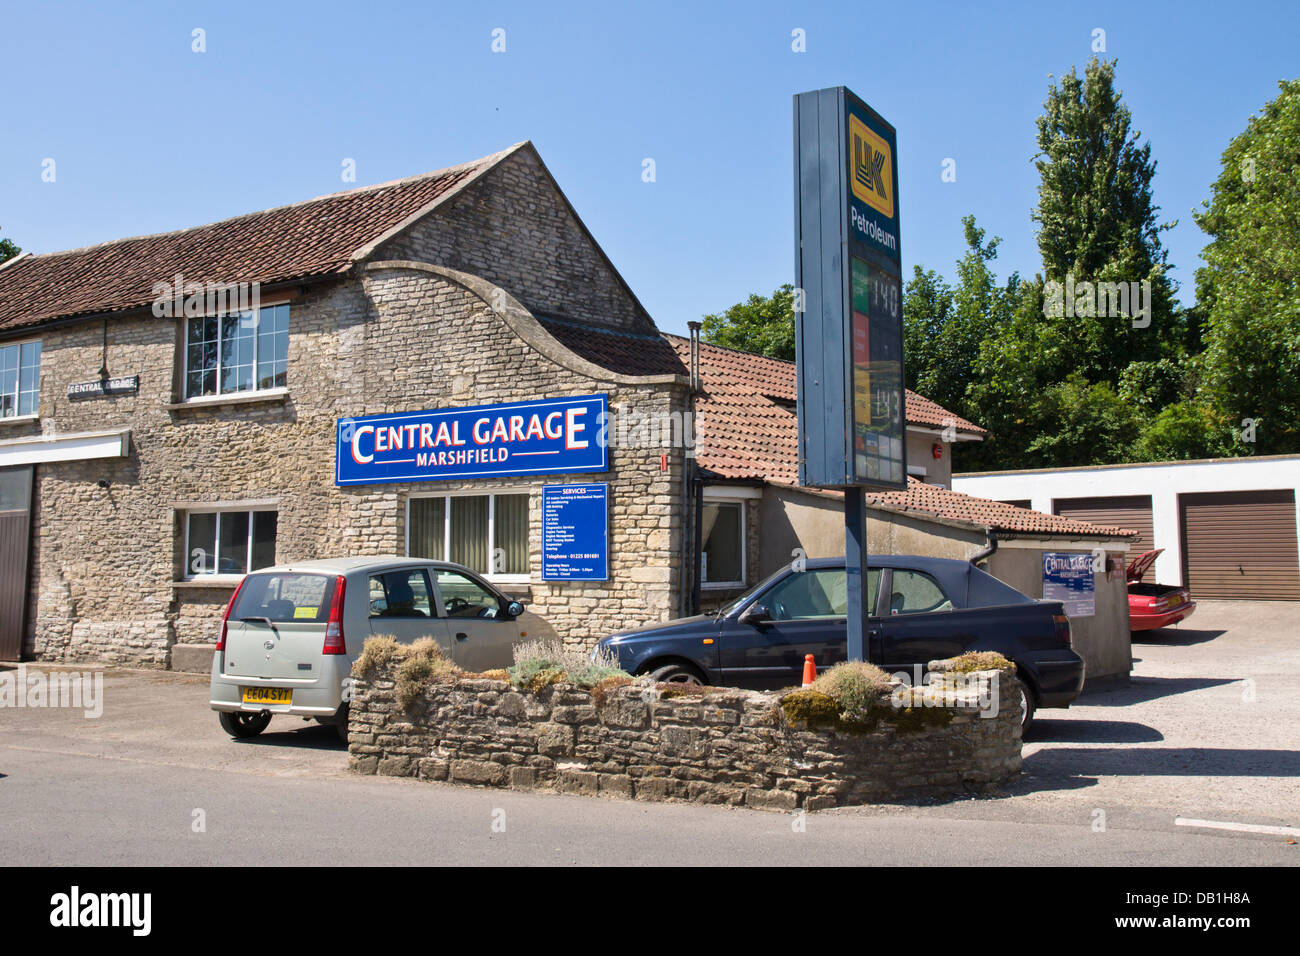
point(525, 325)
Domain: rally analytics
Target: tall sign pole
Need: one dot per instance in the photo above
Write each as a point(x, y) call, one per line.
point(849, 333)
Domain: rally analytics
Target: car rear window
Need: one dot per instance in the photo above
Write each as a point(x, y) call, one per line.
point(289, 596)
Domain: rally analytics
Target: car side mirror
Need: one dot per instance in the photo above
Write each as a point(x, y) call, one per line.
point(514, 609)
point(755, 614)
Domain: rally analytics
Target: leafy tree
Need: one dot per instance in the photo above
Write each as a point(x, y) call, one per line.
point(1071, 387)
point(944, 325)
point(1249, 287)
point(8, 250)
point(762, 324)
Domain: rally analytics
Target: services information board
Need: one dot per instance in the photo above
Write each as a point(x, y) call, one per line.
point(544, 437)
point(849, 335)
point(1068, 577)
point(575, 532)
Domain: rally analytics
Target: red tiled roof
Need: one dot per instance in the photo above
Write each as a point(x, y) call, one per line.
point(314, 238)
point(746, 429)
point(745, 416)
point(985, 512)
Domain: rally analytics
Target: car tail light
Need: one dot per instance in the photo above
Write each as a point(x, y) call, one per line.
point(335, 643)
point(221, 639)
point(1062, 628)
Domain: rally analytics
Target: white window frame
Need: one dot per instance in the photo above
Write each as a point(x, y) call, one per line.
point(18, 380)
point(219, 395)
point(491, 494)
point(717, 499)
point(219, 509)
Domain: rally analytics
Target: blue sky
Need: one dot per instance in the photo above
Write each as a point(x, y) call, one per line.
point(149, 136)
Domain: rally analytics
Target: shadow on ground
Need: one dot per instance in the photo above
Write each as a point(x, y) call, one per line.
point(1175, 637)
point(1072, 768)
point(312, 736)
point(1141, 689)
point(1046, 730)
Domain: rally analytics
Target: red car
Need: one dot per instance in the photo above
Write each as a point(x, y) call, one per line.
point(1154, 605)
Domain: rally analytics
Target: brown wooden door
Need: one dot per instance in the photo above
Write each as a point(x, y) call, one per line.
point(1241, 545)
point(15, 540)
point(1126, 511)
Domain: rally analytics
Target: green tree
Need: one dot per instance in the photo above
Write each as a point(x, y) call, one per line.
point(1098, 220)
point(943, 326)
point(1249, 287)
point(8, 250)
point(762, 324)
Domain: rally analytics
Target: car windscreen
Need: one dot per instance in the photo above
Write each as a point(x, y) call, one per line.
point(984, 590)
point(285, 596)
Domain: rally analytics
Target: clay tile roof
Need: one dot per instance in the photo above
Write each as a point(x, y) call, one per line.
point(746, 429)
point(628, 353)
point(745, 417)
point(318, 237)
point(998, 515)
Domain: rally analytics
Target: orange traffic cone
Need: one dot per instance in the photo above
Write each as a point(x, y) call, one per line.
point(809, 670)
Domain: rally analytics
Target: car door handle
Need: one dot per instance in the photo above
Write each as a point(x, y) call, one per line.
point(461, 636)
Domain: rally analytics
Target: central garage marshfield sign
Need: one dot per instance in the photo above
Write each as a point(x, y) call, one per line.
point(849, 333)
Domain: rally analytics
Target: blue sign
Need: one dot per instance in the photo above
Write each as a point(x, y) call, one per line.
point(1068, 577)
point(544, 437)
point(575, 532)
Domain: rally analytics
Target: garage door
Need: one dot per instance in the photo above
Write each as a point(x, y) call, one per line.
point(15, 524)
point(1129, 511)
point(1241, 544)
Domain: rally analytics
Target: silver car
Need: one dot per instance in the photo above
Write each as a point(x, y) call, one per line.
point(291, 633)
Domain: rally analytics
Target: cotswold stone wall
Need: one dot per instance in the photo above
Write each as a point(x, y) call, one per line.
point(723, 746)
point(107, 580)
point(514, 229)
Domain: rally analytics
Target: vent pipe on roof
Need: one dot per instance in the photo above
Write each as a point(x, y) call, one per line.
point(695, 354)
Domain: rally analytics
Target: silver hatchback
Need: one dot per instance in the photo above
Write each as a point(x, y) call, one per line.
point(291, 633)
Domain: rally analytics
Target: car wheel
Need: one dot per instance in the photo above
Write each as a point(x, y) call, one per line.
point(1027, 707)
point(677, 674)
point(242, 723)
point(342, 725)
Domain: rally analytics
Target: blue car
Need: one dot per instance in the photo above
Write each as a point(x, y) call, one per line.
point(922, 609)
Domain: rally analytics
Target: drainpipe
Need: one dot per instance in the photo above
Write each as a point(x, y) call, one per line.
point(693, 490)
point(988, 552)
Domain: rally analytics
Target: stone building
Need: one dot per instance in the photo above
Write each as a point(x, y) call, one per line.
point(177, 409)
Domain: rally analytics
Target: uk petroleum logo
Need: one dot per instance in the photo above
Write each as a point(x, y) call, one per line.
point(872, 180)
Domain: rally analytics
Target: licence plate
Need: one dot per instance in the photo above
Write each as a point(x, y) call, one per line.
point(268, 695)
point(1175, 600)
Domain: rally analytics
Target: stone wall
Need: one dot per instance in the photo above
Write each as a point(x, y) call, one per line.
point(514, 228)
point(107, 579)
point(638, 741)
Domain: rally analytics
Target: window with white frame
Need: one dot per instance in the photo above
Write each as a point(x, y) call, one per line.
point(486, 533)
point(228, 354)
point(229, 542)
point(722, 555)
point(20, 379)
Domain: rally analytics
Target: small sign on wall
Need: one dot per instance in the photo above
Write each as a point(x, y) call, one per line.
point(575, 532)
point(1068, 577)
point(123, 385)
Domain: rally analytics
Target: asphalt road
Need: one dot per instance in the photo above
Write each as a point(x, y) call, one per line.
point(1207, 730)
